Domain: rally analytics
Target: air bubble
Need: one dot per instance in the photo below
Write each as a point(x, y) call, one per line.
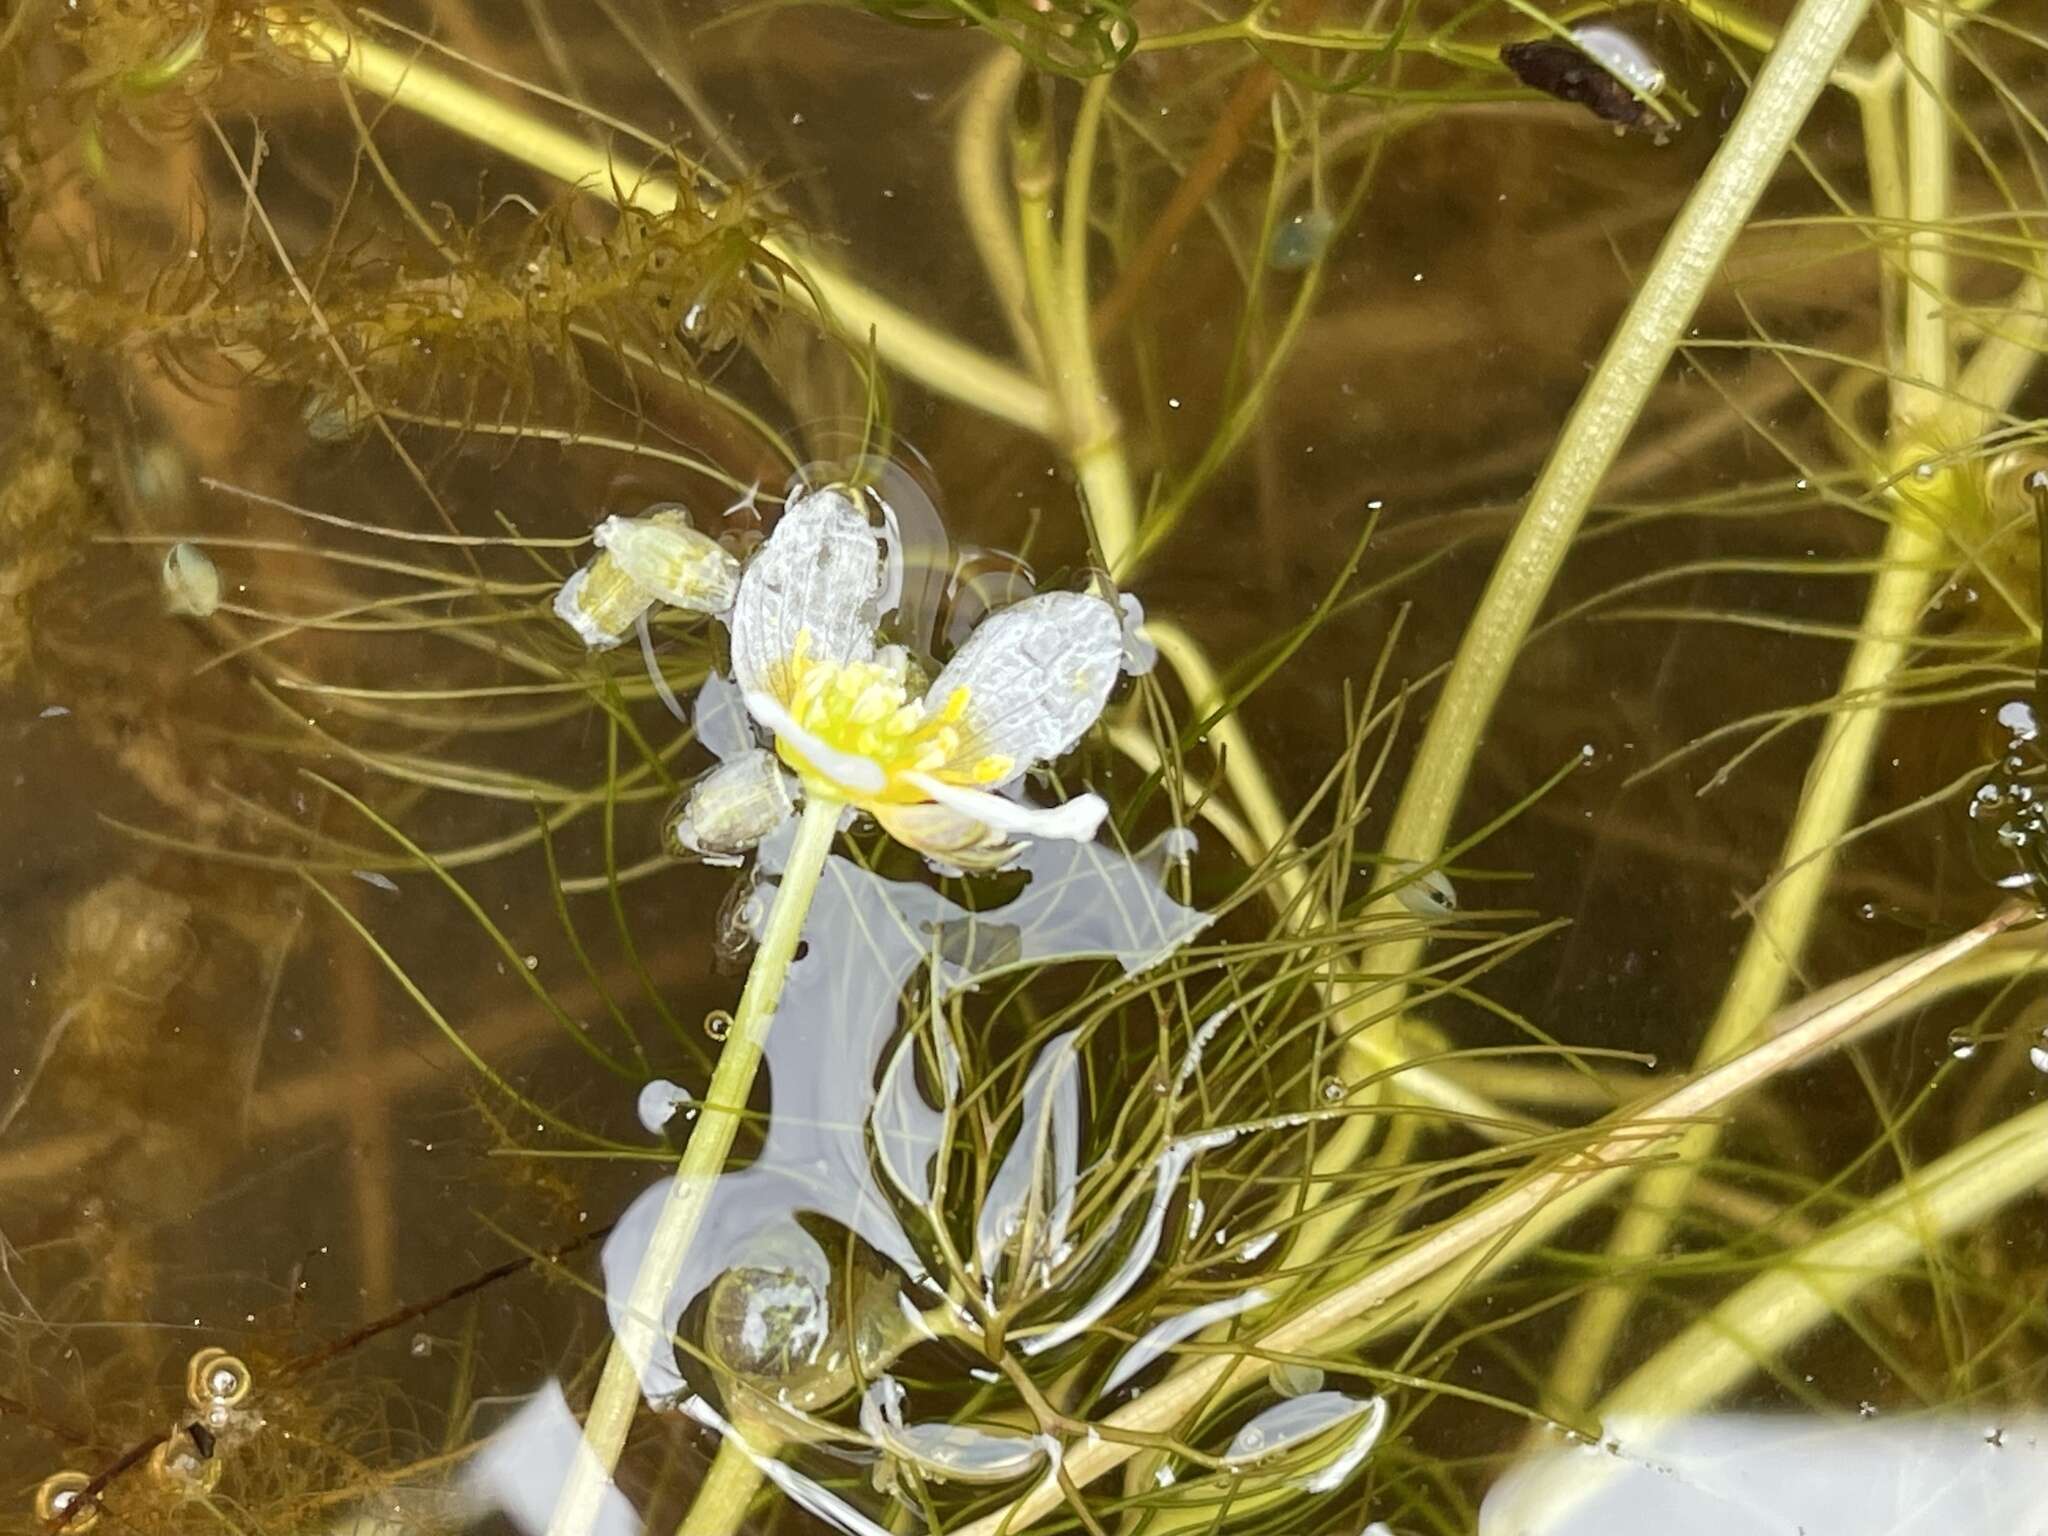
point(1962, 1045)
point(718, 1024)
point(1331, 1090)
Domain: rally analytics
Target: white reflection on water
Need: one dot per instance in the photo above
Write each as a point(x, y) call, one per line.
point(864, 940)
point(1784, 1475)
point(523, 1465)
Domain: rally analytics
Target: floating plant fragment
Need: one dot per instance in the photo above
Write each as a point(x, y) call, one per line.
point(1601, 69)
point(642, 561)
point(853, 720)
point(191, 582)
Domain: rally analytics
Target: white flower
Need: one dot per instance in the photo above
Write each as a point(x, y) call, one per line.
point(855, 723)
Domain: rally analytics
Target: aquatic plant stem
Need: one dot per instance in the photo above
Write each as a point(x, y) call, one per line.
point(1783, 921)
point(719, 1506)
point(1791, 80)
point(640, 1327)
point(1056, 278)
point(939, 362)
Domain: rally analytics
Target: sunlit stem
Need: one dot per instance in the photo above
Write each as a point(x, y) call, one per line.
point(1922, 409)
point(1056, 278)
point(640, 1329)
point(719, 1506)
point(934, 359)
point(1691, 254)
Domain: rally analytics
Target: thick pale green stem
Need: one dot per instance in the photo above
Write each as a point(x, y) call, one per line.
point(719, 1506)
point(1056, 278)
point(1835, 781)
point(933, 358)
point(640, 1328)
point(1792, 78)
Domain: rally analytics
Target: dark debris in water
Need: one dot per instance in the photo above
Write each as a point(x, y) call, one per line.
point(1569, 73)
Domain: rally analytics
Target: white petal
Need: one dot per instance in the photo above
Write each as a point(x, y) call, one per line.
point(819, 571)
point(849, 770)
point(1037, 674)
point(1075, 822)
point(600, 613)
point(946, 836)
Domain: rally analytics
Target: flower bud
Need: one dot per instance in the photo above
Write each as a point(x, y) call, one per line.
point(733, 807)
point(668, 558)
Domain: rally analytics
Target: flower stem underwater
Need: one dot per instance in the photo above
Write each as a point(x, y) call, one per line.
point(639, 1326)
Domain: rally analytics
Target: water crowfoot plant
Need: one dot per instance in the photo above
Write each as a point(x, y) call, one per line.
point(846, 716)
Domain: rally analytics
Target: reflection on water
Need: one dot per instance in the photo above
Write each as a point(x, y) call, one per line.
point(1781, 1475)
point(828, 1128)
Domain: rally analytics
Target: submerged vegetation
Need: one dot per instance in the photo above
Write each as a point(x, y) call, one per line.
point(1484, 907)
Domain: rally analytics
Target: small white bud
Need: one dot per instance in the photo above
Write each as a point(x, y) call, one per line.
point(733, 807)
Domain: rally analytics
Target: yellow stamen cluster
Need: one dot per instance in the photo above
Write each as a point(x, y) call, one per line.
point(864, 708)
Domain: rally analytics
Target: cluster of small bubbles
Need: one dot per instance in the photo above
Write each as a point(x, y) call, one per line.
point(56, 1495)
point(718, 1023)
point(2012, 818)
point(1868, 911)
